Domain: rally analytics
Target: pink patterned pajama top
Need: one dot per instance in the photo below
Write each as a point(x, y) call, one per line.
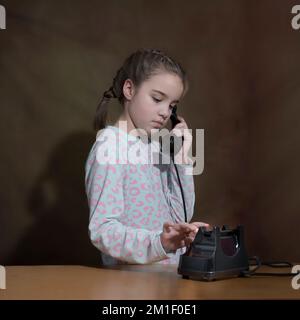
point(129, 202)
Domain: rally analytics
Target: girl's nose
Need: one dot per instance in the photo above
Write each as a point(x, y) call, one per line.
point(164, 112)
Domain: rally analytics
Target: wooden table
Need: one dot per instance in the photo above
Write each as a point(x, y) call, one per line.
point(135, 282)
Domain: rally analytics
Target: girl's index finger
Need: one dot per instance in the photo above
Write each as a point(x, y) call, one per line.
point(200, 224)
point(186, 227)
point(181, 227)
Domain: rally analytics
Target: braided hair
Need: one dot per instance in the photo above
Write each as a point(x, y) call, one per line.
point(138, 67)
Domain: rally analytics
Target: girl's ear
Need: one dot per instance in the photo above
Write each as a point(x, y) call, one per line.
point(128, 89)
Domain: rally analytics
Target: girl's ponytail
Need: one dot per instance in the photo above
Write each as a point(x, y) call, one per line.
point(101, 111)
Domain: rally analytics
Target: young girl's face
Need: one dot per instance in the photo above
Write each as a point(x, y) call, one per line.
point(153, 101)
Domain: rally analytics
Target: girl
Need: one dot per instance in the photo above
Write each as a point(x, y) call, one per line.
point(136, 210)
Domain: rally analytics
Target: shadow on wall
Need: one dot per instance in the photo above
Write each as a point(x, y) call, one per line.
point(58, 205)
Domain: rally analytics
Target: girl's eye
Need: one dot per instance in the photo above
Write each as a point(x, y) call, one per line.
point(156, 100)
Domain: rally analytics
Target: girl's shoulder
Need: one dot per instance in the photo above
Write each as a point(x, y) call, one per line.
point(109, 145)
point(114, 133)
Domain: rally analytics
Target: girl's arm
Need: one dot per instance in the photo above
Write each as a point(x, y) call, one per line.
point(104, 187)
point(174, 196)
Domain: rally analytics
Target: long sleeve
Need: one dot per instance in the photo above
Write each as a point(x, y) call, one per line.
point(106, 198)
point(174, 196)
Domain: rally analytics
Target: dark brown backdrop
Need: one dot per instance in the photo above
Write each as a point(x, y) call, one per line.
point(57, 58)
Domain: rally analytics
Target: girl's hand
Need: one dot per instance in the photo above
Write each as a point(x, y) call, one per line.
point(198, 225)
point(177, 235)
point(181, 129)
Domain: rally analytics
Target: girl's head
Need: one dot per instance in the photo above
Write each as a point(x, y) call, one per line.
point(148, 85)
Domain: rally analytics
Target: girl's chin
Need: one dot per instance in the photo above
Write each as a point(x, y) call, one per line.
point(150, 130)
point(154, 129)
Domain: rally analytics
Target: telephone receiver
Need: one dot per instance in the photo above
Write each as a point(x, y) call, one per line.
point(174, 121)
point(173, 118)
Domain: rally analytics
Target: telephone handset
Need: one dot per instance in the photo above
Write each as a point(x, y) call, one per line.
point(173, 118)
point(174, 121)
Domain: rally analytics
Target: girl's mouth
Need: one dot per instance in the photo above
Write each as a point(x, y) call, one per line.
point(157, 124)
